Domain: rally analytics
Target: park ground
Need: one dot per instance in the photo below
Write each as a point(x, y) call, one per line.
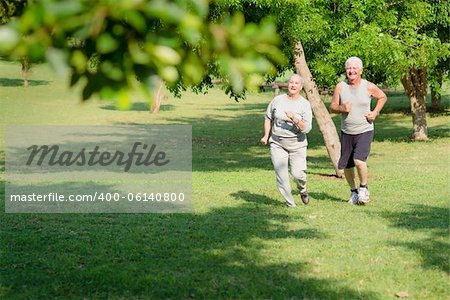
point(239, 242)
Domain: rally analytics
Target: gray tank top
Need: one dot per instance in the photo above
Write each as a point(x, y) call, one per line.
point(355, 122)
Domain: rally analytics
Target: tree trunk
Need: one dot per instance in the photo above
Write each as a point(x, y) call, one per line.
point(25, 68)
point(415, 84)
point(436, 92)
point(154, 109)
point(321, 113)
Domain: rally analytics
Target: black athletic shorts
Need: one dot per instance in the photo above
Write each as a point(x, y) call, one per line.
point(354, 146)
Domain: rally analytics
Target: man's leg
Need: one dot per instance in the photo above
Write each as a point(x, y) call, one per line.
point(346, 161)
point(347, 164)
point(349, 174)
point(350, 177)
point(364, 194)
point(362, 150)
point(361, 167)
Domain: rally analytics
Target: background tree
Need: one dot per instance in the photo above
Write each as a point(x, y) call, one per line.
point(108, 44)
point(440, 26)
point(8, 10)
point(398, 41)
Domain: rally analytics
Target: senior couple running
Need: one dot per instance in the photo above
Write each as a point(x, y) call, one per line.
point(289, 118)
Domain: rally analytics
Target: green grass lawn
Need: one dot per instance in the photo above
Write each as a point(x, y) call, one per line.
point(239, 242)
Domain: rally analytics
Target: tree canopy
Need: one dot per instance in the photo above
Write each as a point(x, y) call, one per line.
point(389, 36)
point(110, 45)
point(11, 8)
point(398, 41)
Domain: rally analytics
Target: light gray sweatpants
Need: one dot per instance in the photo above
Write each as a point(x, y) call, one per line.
point(285, 151)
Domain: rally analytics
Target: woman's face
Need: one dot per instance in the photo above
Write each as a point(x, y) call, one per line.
point(295, 85)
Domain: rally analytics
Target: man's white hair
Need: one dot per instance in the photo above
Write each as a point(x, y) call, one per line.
point(356, 60)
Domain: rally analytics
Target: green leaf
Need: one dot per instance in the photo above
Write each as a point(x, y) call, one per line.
point(135, 19)
point(106, 43)
point(166, 55)
point(124, 100)
point(58, 61)
point(169, 74)
point(89, 89)
point(74, 78)
point(79, 61)
point(9, 38)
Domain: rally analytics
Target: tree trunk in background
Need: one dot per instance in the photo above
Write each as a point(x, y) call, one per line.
point(154, 108)
point(326, 125)
point(25, 69)
point(415, 84)
point(436, 92)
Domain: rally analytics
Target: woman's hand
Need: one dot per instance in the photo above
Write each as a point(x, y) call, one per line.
point(297, 122)
point(290, 115)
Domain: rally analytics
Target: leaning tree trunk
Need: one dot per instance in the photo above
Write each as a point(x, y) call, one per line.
point(415, 84)
point(156, 105)
point(25, 68)
point(323, 118)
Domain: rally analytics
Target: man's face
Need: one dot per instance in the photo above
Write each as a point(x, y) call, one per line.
point(295, 84)
point(353, 70)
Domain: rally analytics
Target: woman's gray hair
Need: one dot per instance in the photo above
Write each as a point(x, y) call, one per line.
point(302, 80)
point(354, 59)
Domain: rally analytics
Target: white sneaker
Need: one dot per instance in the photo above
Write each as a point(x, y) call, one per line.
point(363, 196)
point(353, 198)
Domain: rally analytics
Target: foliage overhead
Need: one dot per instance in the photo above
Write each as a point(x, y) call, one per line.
point(11, 8)
point(389, 36)
point(109, 44)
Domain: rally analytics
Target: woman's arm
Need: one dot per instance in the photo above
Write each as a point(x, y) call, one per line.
point(267, 125)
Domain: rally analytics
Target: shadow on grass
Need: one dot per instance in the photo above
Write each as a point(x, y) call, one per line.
point(255, 198)
point(261, 199)
point(144, 256)
point(435, 249)
point(324, 196)
point(140, 106)
point(12, 82)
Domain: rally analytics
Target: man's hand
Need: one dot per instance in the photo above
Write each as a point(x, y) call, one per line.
point(346, 107)
point(264, 140)
point(371, 116)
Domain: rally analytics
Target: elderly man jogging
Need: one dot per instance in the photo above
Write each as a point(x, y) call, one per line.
point(352, 99)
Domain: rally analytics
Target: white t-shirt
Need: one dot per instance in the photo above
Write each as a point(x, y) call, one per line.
point(282, 126)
